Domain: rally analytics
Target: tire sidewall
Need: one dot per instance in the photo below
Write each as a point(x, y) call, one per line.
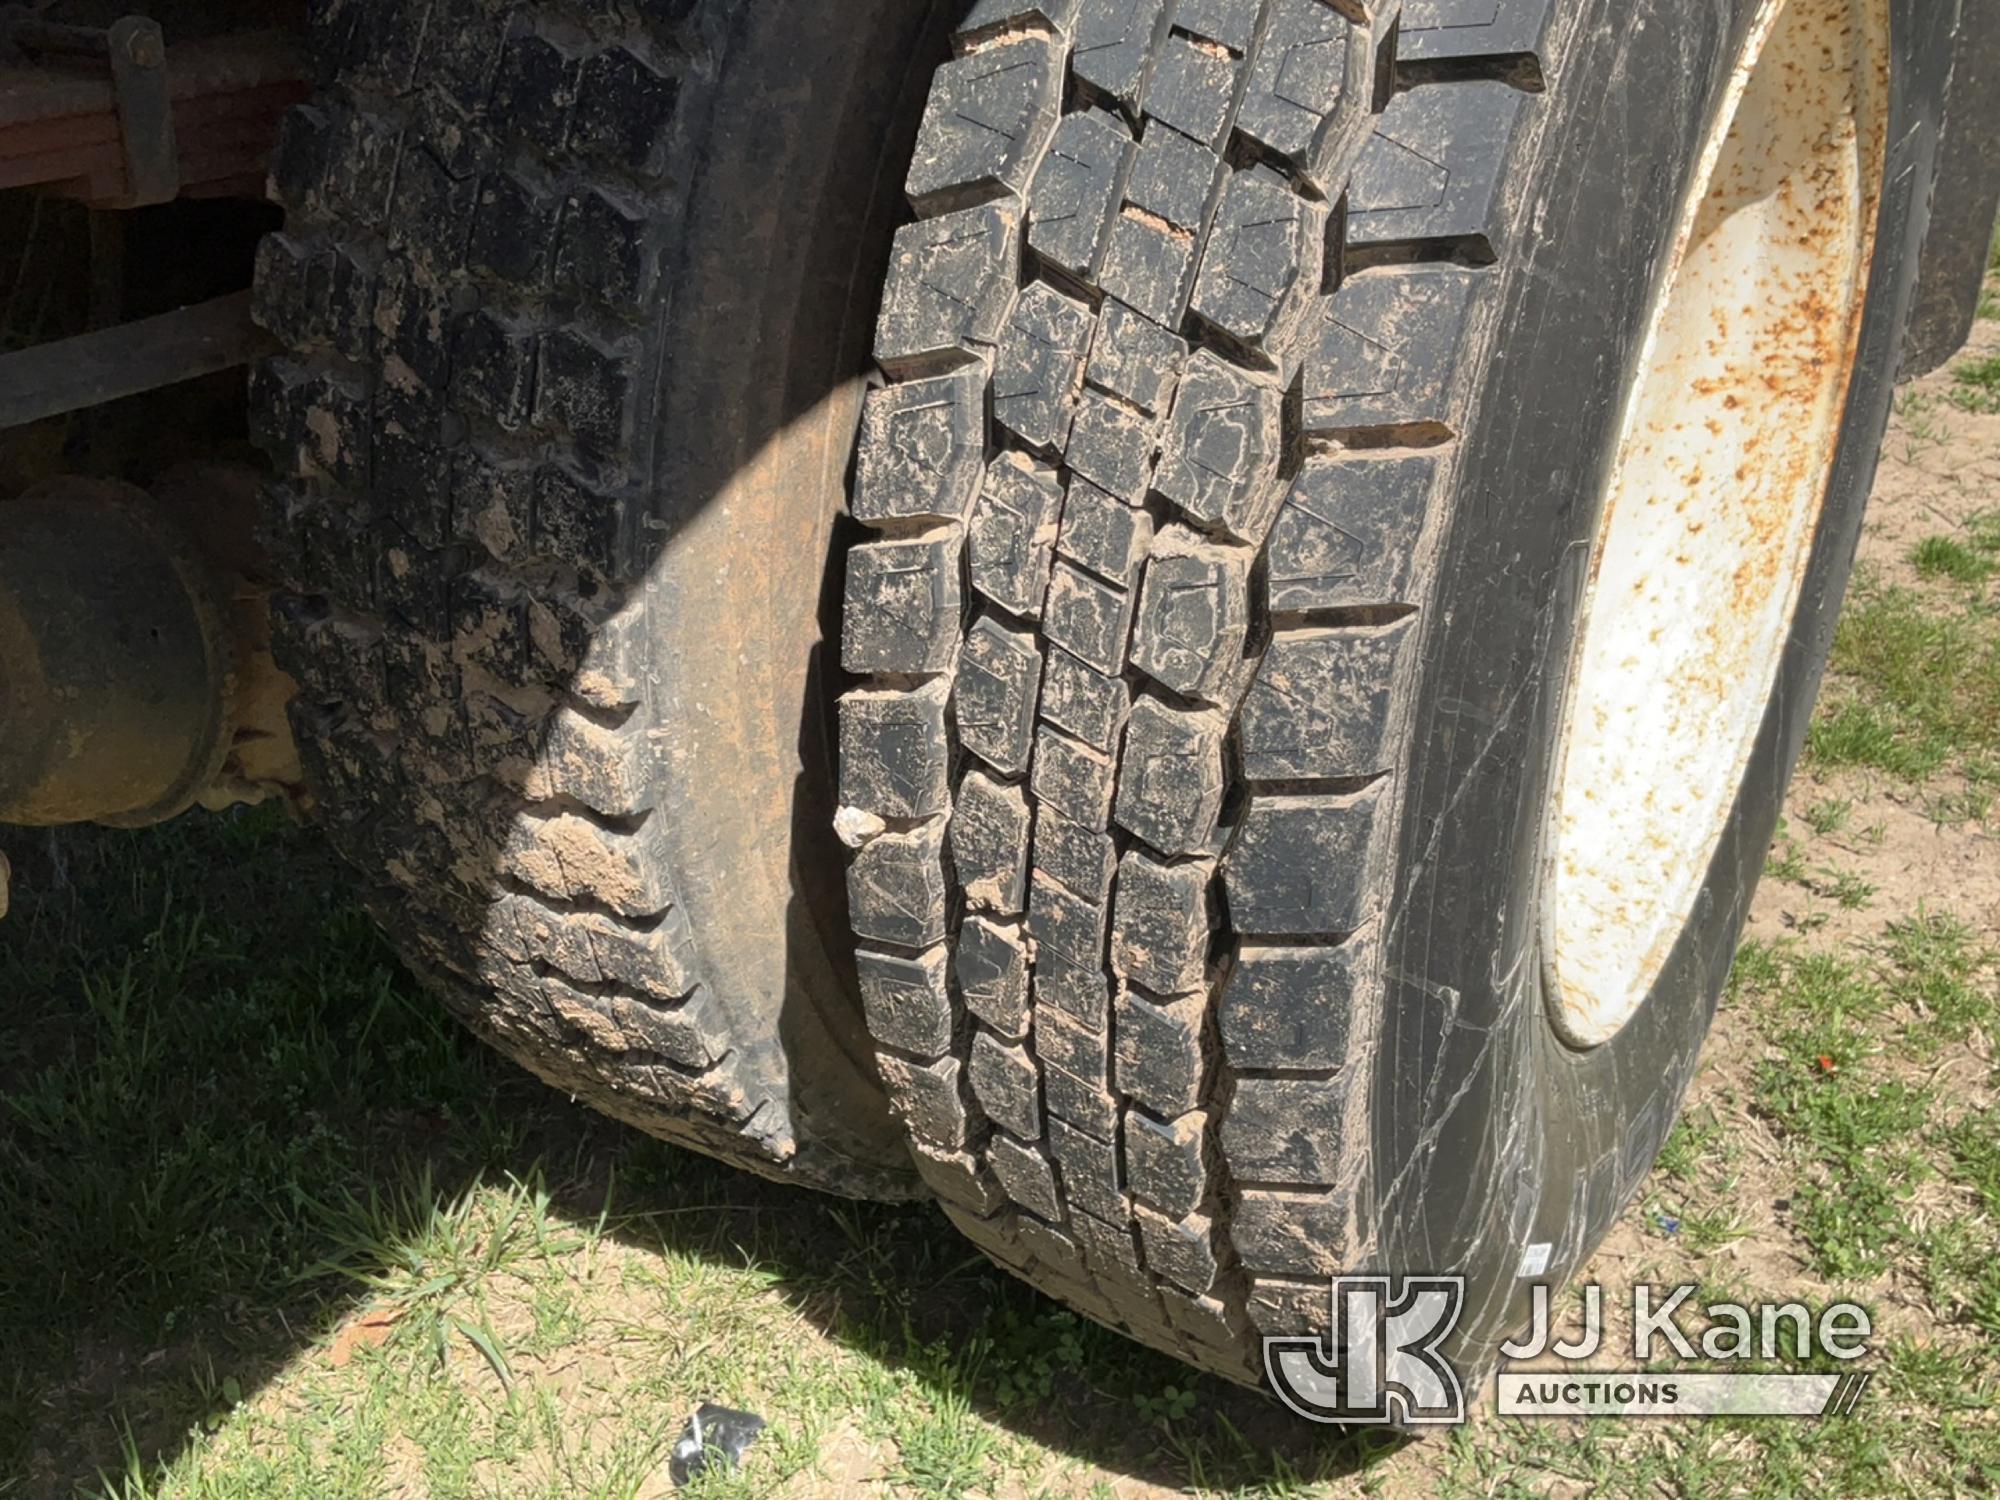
point(1499, 1150)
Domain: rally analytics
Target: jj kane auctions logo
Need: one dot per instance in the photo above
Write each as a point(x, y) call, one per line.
point(1381, 1361)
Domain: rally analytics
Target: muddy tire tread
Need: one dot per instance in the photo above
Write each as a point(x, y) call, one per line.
point(1163, 646)
point(481, 204)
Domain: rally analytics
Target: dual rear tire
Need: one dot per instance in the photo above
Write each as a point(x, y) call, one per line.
point(1251, 380)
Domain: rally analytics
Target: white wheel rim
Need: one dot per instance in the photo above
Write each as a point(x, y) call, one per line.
point(1714, 500)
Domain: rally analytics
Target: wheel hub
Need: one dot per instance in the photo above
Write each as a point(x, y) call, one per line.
point(1714, 498)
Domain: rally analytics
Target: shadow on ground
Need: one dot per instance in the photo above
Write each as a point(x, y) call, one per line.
point(208, 1048)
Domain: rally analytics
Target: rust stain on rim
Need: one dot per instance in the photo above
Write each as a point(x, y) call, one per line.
point(1714, 500)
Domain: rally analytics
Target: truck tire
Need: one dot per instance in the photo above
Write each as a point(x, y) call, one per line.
point(1218, 660)
point(559, 432)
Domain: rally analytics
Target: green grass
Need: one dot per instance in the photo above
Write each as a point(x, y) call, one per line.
point(1867, 1139)
point(232, 1130)
point(1829, 815)
point(1917, 686)
point(1947, 557)
point(1917, 412)
point(1976, 386)
point(241, 1144)
point(1945, 976)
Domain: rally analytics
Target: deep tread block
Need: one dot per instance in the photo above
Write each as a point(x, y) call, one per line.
point(1027, 1174)
point(1089, 1171)
point(1289, 1308)
point(1101, 534)
point(1160, 1051)
point(1063, 1045)
point(1068, 926)
point(994, 1232)
point(1181, 1250)
point(1301, 1235)
point(1077, 193)
point(690, 1036)
point(896, 752)
point(1171, 792)
point(925, 1096)
point(1137, 360)
point(569, 858)
point(1084, 701)
point(1112, 446)
point(1230, 22)
point(1075, 779)
point(1454, 30)
point(1305, 864)
point(988, 121)
point(1092, 619)
point(902, 607)
point(514, 232)
point(951, 285)
point(1090, 1107)
point(999, 683)
point(1348, 532)
point(1082, 994)
point(535, 88)
point(896, 890)
point(923, 449)
point(1383, 354)
point(608, 250)
point(991, 963)
point(1310, 98)
point(1160, 924)
point(572, 520)
point(1149, 265)
point(1080, 859)
point(959, 1178)
point(1213, 1327)
point(1118, 46)
point(1007, 1085)
point(1284, 1130)
point(1194, 615)
point(1433, 168)
point(1194, 90)
point(989, 843)
point(1013, 534)
point(1174, 178)
point(1261, 271)
point(624, 113)
point(907, 1001)
point(606, 769)
point(1322, 707)
point(1293, 1007)
point(1111, 1251)
point(592, 948)
point(990, 19)
point(1222, 446)
point(1165, 1161)
point(1038, 370)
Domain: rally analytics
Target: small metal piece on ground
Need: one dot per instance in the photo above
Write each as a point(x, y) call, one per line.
point(715, 1437)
